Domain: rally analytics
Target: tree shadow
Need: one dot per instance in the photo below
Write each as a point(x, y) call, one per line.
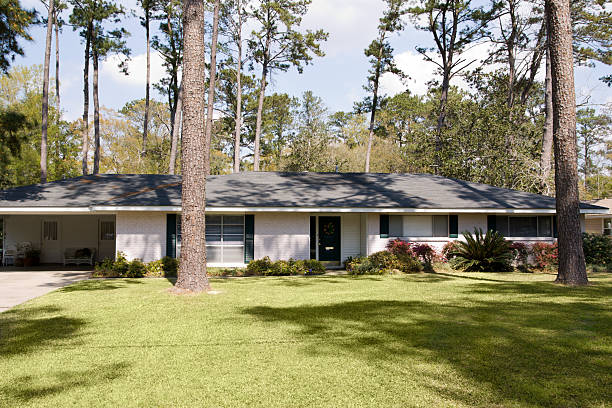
point(100, 284)
point(27, 388)
point(527, 353)
point(25, 330)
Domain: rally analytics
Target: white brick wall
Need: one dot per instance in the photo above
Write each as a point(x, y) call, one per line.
point(282, 236)
point(141, 235)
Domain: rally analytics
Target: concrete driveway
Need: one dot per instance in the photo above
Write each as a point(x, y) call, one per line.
point(18, 285)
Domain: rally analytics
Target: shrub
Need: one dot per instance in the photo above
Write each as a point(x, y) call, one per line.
point(154, 269)
point(384, 260)
point(520, 254)
point(426, 254)
point(482, 252)
point(545, 255)
point(121, 265)
point(278, 268)
point(597, 249)
point(258, 267)
point(398, 247)
point(312, 267)
point(105, 269)
point(136, 269)
point(448, 251)
point(409, 264)
point(352, 262)
point(170, 266)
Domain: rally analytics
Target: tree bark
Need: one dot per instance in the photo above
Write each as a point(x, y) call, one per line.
point(372, 121)
point(45, 96)
point(547, 136)
point(238, 129)
point(192, 270)
point(57, 66)
point(212, 78)
point(145, 129)
point(572, 269)
point(260, 103)
point(85, 144)
point(176, 130)
point(96, 101)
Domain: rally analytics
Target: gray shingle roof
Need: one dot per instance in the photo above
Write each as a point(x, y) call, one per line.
point(269, 189)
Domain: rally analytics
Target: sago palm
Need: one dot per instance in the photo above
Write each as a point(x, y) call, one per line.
point(482, 252)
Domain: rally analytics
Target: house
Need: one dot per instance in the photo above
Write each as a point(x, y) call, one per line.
point(600, 223)
point(324, 216)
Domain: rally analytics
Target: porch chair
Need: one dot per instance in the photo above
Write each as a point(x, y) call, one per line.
point(8, 257)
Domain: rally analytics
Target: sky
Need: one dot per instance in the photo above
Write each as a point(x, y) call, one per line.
point(337, 78)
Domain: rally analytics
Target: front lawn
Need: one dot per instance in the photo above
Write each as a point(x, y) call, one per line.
point(431, 340)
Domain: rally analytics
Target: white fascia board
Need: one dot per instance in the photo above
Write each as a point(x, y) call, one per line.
point(177, 209)
point(45, 210)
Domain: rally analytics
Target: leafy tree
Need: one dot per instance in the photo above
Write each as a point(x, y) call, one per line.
point(380, 53)
point(572, 268)
point(276, 45)
point(14, 24)
point(454, 25)
point(592, 131)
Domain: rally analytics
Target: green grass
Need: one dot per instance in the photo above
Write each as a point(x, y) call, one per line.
point(431, 340)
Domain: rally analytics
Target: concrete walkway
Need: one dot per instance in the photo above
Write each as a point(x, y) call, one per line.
point(18, 285)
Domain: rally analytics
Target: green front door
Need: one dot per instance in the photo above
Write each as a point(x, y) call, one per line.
point(329, 239)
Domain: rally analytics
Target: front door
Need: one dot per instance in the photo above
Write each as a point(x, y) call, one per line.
point(329, 239)
point(51, 241)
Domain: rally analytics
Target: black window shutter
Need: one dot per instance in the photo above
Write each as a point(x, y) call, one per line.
point(453, 226)
point(313, 237)
point(491, 223)
point(249, 238)
point(384, 226)
point(171, 235)
point(555, 230)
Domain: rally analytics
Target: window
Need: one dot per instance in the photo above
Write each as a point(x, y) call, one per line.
point(224, 238)
point(527, 226)
point(607, 226)
point(107, 230)
point(418, 226)
point(50, 230)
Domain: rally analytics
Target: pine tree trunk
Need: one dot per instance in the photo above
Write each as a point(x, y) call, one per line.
point(547, 136)
point(45, 96)
point(212, 79)
point(96, 101)
point(57, 67)
point(145, 129)
point(372, 121)
point(441, 118)
point(572, 269)
point(238, 129)
point(260, 103)
point(192, 271)
point(85, 144)
point(176, 130)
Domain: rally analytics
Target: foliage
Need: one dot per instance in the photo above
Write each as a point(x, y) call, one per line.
point(545, 255)
point(482, 252)
point(399, 247)
point(384, 262)
point(154, 269)
point(136, 269)
point(170, 266)
point(448, 251)
point(266, 267)
point(426, 254)
point(597, 249)
point(14, 24)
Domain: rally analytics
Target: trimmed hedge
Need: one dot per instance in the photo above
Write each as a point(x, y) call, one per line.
point(266, 267)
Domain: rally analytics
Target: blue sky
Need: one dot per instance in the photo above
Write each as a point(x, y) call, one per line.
point(337, 78)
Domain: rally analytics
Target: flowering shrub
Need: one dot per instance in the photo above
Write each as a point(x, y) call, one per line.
point(398, 247)
point(545, 255)
point(425, 253)
point(448, 251)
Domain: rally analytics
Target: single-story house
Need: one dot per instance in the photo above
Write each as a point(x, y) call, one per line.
point(600, 223)
point(324, 216)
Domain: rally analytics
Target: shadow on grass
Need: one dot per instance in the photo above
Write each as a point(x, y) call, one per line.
point(100, 284)
point(535, 353)
point(27, 388)
point(25, 330)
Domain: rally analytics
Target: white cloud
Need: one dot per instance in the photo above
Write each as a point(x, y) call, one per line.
point(137, 68)
point(421, 71)
point(350, 23)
